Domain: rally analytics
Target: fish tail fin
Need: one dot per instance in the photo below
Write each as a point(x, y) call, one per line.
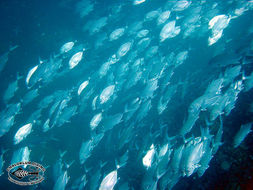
point(117, 164)
point(40, 60)
point(19, 76)
point(67, 165)
point(62, 153)
point(208, 123)
point(243, 75)
point(13, 47)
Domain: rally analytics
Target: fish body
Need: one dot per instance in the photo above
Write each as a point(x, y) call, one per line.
point(75, 59)
point(241, 134)
point(109, 181)
point(67, 47)
point(22, 133)
point(30, 74)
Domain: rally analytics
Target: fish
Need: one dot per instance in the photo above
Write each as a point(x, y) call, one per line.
point(110, 121)
point(109, 181)
point(189, 123)
point(65, 115)
point(30, 96)
point(163, 160)
point(248, 82)
point(148, 158)
point(181, 57)
point(62, 181)
point(169, 30)
point(181, 5)
point(88, 146)
point(30, 74)
point(204, 162)
point(123, 49)
point(84, 8)
point(75, 59)
point(46, 101)
point(149, 180)
point(46, 126)
point(143, 43)
point(152, 15)
point(67, 47)
point(137, 2)
point(165, 99)
point(6, 124)
point(116, 34)
point(176, 158)
point(21, 155)
point(93, 105)
point(143, 33)
point(22, 133)
point(241, 134)
point(150, 88)
point(82, 87)
point(106, 94)
point(163, 17)
point(194, 159)
point(95, 179)
point(2, 161)
point(11, 90)
point(143, 110)
point(217, 24)
point(95, 121)
point(85, 151)
point(97, 25)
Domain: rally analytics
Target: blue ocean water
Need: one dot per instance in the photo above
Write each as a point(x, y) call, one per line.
point(164, 92)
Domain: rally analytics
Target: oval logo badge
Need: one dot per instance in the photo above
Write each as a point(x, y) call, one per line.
point(26, 173)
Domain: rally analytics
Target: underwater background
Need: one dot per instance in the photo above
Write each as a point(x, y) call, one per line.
point(156, 93)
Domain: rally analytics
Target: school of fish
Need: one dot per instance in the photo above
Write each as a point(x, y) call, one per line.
point(140, 96)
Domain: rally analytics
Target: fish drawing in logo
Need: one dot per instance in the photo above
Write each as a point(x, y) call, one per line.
point(21, 173)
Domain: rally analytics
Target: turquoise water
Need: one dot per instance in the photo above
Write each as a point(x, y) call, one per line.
point(178, 74)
